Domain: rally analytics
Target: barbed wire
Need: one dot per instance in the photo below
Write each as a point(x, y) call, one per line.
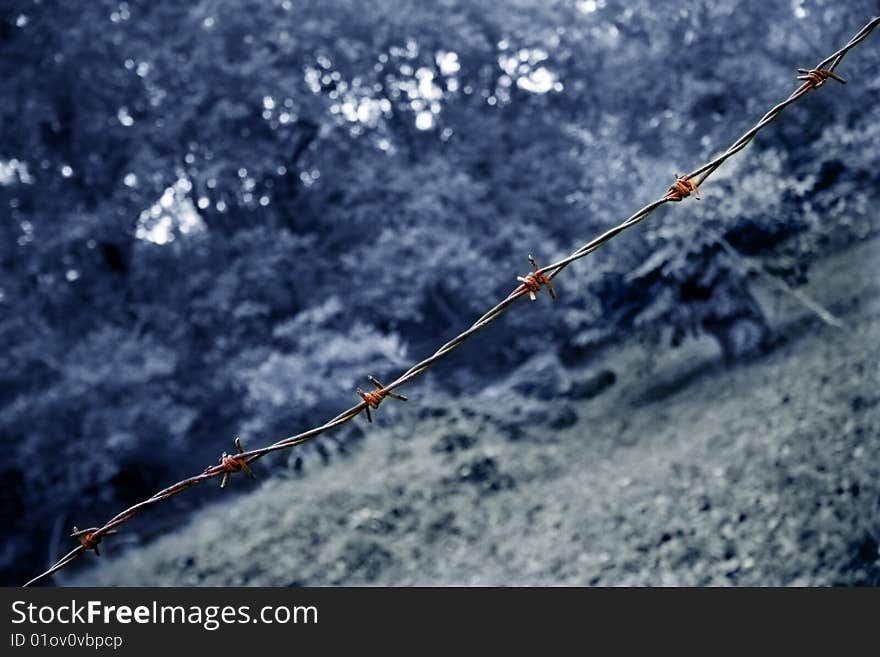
point(530, 284)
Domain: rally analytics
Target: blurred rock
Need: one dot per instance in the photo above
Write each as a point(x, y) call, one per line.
point(365, 560)
point(485, 474)
point(593, 385)
point(564, 418)
point(454, 442)
point(541, 377)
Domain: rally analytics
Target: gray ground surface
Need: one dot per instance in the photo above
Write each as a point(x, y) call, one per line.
point(684, 471)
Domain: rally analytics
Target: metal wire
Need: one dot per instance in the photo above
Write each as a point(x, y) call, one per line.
point(684, 186)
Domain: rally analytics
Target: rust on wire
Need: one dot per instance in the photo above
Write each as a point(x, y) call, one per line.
point(90, 538)
point(817, 76)
point(231, 463)
point(374, 398)
point(684, 186)
point(534, 280)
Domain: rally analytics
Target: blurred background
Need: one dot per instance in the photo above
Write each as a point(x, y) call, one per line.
point(218, 217)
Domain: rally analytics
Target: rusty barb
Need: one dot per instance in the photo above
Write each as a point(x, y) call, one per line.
point(233, 463)
point(681, 189)
point(531, 284)
point(90, 538)
point(373, 399)
point(533, 281)
point(817, 76)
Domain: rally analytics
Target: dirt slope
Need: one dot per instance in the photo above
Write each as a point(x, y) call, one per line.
point(682, 472)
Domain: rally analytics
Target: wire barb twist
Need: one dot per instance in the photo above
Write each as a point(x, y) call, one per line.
point(90, 538)
point(816, 76)
point(533, 281)
point(231, 463)
point(684, 186)
point(374, 398)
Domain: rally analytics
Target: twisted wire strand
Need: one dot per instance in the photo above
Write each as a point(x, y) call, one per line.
point(683, 186)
